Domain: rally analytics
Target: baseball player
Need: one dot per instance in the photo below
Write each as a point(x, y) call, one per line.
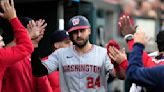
point(18, 77)
point(151, 78)
point(83, 67)
point(127, 30)
point(11, 55)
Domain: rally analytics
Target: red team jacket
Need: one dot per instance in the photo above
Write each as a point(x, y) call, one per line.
point(18, 76)
point(11, 55)
point(54, 81)
point(146, 60)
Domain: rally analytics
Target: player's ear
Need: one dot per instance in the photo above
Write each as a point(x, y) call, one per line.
point(56, 45)
point(89, 31)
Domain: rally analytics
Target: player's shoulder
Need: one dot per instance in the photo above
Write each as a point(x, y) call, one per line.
point(99, 48)
point(64, 50)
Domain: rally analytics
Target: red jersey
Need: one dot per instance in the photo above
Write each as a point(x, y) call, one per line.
point(146, 60)
point(11, 55)
point(19, 78)
point(54, 81)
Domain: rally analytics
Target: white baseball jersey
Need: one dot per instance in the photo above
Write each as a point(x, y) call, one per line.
point(85, 73)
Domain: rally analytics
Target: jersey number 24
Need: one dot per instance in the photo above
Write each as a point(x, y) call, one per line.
point(92, 83)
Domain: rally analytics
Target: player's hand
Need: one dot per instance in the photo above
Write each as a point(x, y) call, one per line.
point(33, 29)
point(8, 8)
point(139, 37)
point(116, 55)
point(125, 26)
point(36, 28)
point(41, 24)
point(112, 43)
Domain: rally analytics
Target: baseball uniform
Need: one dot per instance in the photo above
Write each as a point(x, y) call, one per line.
point(85, 73)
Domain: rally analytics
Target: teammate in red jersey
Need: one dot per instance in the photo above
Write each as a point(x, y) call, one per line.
point(127, 30)
point(11, 55)
point(14, 74)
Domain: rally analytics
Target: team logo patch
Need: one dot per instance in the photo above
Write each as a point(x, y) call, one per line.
point(75, 21)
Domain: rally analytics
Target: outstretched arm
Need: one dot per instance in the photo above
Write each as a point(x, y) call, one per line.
point(136, 72)
point(127, 29)
point(118, 58)
point(44, 67)
point(24, 46)
point(38, 69)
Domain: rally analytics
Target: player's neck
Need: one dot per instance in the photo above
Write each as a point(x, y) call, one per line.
point(85, 49)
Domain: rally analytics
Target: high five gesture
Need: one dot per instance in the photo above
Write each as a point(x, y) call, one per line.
point(8, 8)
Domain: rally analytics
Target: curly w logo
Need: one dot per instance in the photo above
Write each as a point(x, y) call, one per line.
point(75, 21)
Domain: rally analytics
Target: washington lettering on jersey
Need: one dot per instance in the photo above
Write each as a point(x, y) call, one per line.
point(81, 73)
point(81, 68)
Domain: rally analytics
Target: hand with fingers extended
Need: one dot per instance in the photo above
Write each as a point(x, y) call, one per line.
point(8, 8)
point(41, 25)
point(112, 43)
point(36, 30)
point(116, 55)
point(125, 26)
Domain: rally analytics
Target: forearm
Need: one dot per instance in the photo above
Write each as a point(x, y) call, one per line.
point(145, 59)
point(124, 64)
point(136, 72)
point(120, 73)
point(24, 47)
point(38, 69)
point(121, 69)
point(135, 59)
point(20, 31)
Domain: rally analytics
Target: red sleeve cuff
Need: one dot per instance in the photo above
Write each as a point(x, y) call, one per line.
point(124, 64)
point(13, 19)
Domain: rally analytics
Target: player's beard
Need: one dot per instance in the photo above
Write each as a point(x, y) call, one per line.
point(81, 45)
